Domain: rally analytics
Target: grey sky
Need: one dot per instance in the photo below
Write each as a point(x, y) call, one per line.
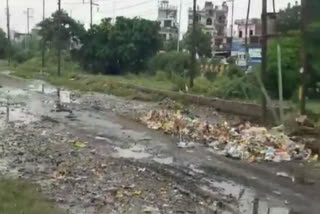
point(130, 8)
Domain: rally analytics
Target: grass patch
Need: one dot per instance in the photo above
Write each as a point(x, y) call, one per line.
point(73, 77)
point(18, 197)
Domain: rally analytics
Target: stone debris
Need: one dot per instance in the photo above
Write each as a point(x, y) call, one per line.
point(79, 180)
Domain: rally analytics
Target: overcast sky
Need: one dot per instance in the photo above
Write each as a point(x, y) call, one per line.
point(110, 8)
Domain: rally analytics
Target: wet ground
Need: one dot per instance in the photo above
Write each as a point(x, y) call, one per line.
point(124, 167)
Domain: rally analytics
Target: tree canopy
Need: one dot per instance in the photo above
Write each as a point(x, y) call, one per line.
point(70, 30)
point(202, 40)
point(126, 45)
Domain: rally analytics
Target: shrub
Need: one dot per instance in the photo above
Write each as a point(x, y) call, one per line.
point(171, 62)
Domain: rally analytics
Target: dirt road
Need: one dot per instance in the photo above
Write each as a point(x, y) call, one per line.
point(98, 159)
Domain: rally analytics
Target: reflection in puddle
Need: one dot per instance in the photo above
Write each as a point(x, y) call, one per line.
point(248, 201)
point(16, 115)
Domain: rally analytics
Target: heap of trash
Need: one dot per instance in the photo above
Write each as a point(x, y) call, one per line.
point(243, 141)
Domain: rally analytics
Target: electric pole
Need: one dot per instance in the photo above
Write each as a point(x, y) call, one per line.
point(179, 32)
point(232, 15)
point(193, 49)
point(43, 41)
point(8, 33)
point(91, 12)
point(303, 93)
point(59, 37)
point(246, 34)
point(264, 56)
point(28, 20)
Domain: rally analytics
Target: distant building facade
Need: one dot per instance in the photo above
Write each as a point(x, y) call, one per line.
point(167, 16)
point(254, 35)
point(213, 21)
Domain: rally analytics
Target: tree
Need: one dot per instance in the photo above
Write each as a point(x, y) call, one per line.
point(170, 45)
point(203, 42)
point(70, 34)
point(289, 19)
point(3, 44)
point(290, 47)
point(127, 45)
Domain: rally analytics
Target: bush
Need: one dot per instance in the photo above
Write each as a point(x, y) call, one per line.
point(201, 85)
point(290, 51)
point(22, 56)
point(245, 87)
point(171, 62)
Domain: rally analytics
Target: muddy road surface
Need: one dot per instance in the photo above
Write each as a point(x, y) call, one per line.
point(92, 156)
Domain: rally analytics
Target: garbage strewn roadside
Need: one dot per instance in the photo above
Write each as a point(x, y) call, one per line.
point(243, 141)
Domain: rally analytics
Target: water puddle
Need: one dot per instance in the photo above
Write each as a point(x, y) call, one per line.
point(16, 115)
point(246, 198)
point(135, 152)
point(166, 160)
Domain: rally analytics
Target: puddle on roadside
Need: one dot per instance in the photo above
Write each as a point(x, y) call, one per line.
point(245, 198)
point(16, 115)
point(135, 152)
point(165, 160)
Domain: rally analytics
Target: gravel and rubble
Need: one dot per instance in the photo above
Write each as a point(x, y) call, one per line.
point(69, 172)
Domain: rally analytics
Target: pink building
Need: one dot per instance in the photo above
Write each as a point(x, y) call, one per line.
point(254, 28)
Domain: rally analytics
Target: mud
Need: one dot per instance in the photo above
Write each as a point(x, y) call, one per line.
point(123, 158)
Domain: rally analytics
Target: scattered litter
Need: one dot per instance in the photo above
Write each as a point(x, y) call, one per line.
point(80, 144)
point(277, 192)
point(141, 169)
point(245, 142)
point(182, 144)
point(285, 175)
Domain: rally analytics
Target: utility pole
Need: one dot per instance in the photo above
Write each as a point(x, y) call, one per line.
point(43, 41)
point(303, 89)
point(193, 49)
point(264, 56)
point(59, 37)
point(179, 32)
point(232, 15)
point(28, 20)
point(246, 34)
point(8, 33)
point(91, 12)
point(274, 5)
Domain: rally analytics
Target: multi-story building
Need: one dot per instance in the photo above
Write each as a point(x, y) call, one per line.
point(213, 21)
point(167, 16)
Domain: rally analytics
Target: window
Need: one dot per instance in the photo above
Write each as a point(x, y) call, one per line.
point(167, 23)
point(240, 34)
point(209, 21)
point(251, 33)
point(222, 19)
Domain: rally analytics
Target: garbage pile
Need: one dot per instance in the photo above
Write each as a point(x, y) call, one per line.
point(243, 142)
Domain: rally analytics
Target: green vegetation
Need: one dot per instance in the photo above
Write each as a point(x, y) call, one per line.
point(203, 42)
point(3, 44)
point(18, 197)
point(116, 49)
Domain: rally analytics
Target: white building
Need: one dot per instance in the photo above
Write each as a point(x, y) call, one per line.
point(167, 16)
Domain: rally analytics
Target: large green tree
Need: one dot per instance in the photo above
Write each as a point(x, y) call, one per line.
point(65, 36)
point(3, 44)
point(125, 46)
point(203, 42)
